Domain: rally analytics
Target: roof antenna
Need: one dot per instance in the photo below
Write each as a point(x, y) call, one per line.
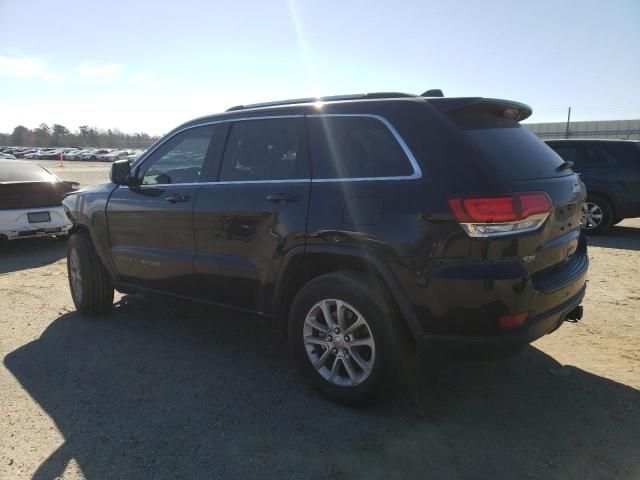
point(434, 92)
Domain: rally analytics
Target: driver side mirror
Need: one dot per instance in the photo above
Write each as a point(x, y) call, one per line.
point(120, 172)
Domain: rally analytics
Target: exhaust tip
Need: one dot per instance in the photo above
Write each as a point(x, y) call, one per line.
point(574, 315)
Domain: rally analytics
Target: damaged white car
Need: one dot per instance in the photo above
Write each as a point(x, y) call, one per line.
point(30, 201)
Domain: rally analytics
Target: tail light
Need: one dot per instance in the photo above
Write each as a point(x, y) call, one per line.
point(496, 216)
point(507, 322)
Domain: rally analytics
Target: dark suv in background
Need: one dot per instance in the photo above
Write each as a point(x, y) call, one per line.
point(365, 226)
point(611, 171)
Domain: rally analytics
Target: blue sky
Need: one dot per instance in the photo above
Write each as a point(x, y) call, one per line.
point(149, 65)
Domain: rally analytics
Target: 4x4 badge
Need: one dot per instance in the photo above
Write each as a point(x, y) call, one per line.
point(576, 188)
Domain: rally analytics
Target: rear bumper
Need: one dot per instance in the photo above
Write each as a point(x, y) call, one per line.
point(507, 342)
point(14, 223)
point(460, 304)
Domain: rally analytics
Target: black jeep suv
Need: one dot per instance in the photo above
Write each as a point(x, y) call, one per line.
point(364, 226)
point(611, 171)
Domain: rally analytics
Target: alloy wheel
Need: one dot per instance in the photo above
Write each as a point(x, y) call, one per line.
point(591, 216)
point(75, 275)
point(339, 342)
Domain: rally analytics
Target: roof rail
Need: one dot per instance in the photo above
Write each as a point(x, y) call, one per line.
point(332, 98)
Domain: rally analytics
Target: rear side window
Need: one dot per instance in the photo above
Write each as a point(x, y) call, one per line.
point(569, 153)
point(268, 149)
point(594, 157)
point(354, 147)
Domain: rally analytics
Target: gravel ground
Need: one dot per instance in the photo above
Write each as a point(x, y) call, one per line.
point(160, 388)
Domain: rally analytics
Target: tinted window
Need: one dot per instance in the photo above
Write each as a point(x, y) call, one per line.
point(595, 157)
point(180, 159)
point(265, 150)
point(20, 171)
point(516, 153)
point(355, 147)
point(619, 154)
point(568, 153)
point(600, 154)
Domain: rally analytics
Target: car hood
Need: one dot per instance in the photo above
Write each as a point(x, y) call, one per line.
point(70, 201)
point(100, 187)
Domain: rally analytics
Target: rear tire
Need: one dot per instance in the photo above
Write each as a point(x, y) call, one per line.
point(353, 363)
point(597, 215)
point(90, 283)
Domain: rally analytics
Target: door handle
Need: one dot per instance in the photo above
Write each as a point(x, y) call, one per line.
point(282, 198)
point(176, 197)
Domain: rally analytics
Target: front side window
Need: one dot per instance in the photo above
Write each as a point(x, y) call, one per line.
point(267, 149)
point(355, 147)
point(180, 159)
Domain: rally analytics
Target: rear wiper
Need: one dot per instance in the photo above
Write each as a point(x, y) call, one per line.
point(564, 166)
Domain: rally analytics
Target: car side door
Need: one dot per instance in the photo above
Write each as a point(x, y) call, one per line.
point(253, 213)
point(622, 161)
point(151, 221)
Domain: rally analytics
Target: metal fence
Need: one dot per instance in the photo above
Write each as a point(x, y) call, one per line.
point(618, 129)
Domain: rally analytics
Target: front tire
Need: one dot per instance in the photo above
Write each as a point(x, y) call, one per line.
point(343, 335)
point(90, 283)
point(597, 215)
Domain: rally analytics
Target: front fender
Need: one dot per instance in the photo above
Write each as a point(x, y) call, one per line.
point(87, 209)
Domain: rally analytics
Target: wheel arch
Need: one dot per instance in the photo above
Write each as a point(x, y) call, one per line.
point(302, 265)
point(605, 196)
point(79, 227)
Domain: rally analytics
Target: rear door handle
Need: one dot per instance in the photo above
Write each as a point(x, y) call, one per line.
point(176, 197)
point(282, 198)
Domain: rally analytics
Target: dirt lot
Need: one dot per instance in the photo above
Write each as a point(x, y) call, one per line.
point(163, 389)
point(87, 173)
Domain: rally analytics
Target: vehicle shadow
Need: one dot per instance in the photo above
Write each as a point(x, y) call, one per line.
point(621, 237)
point(157, 389)
point(28, 253)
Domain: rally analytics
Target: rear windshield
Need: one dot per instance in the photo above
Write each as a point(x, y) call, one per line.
point(516, 153)
point(513, 152)
point(21, 171)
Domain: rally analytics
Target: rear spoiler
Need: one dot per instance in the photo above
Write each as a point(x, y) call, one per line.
point(500, 108)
